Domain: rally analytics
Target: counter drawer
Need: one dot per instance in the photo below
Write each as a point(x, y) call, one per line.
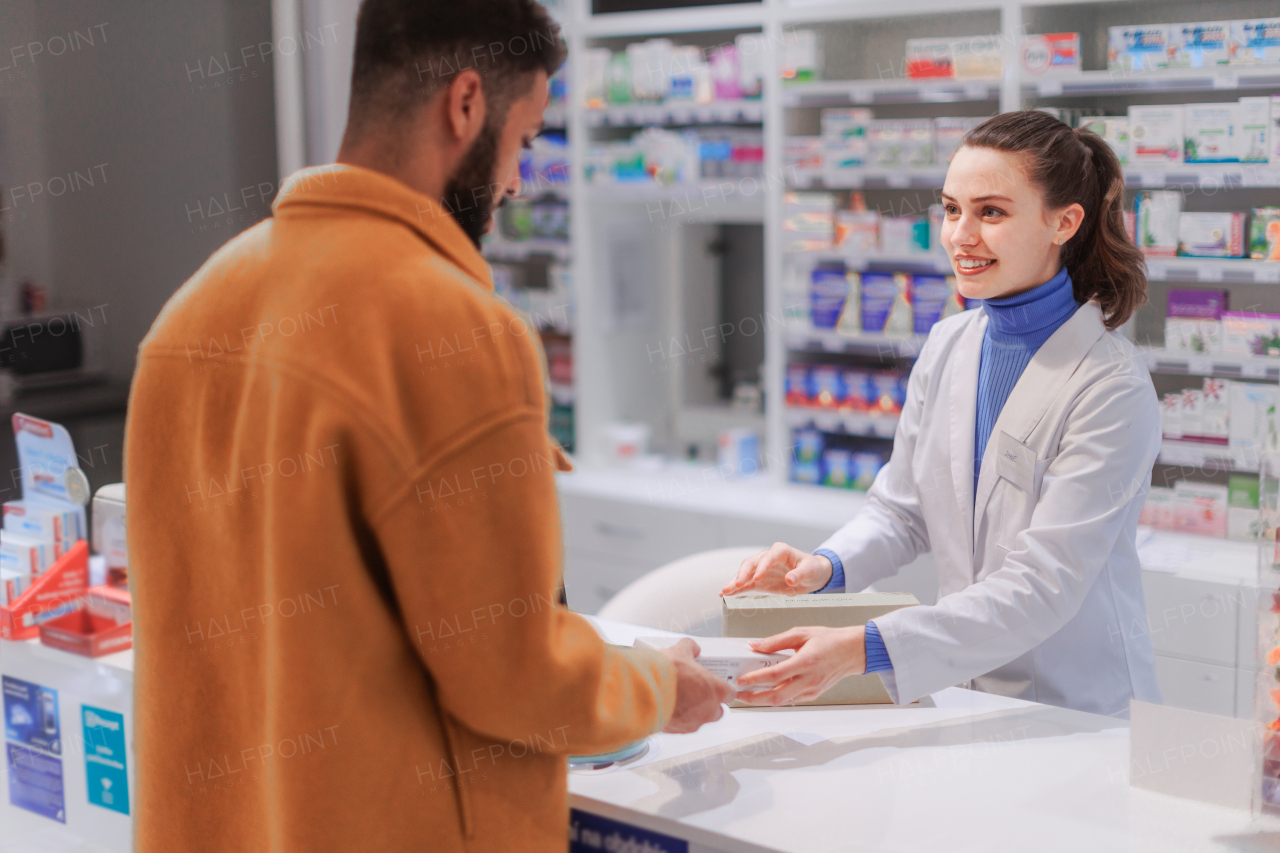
point(636, 531)
point(1192, 619)
point(1197, 686)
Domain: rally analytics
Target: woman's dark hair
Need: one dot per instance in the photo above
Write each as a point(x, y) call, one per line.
point(1073, 166)
point(406, 50)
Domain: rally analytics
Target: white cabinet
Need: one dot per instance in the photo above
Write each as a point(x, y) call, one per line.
point(1197, 686)
point(1192, 619)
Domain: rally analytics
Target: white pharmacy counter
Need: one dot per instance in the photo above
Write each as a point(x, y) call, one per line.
point(962, 771)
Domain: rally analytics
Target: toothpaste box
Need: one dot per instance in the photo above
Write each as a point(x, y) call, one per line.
point(1211, 133)
point(904, 235)
point(930, 57)
point(900, 143)
point(12, 585)
point(1192, 414)
point(845, 147)
point(808, 221)
point(858, 231)
point(1264, 234)
point(1051, 53)
point(25, 554)
point(1250, 333)
point(1114, 130)
point(1140, 48)
point(1211, 235)
point(1199, 45)
point(1242, 507)
point(1158, 216)
point(1200, 304)
point(1192, 335)
point(929, 295)
point(724, 657)
point(1254, 145)
point(802, 160)
point(1155, 134)
point(948, 131)
point(1171, 416)
point(1255, 41)
point(41, 522)
point(1200, 508)
point(1215, 417)
point(1157, 511)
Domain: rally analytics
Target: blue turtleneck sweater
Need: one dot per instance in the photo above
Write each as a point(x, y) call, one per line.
point(1017, 326)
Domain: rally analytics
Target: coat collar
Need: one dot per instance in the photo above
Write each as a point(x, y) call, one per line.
point(353, 187)
point(1046, 375)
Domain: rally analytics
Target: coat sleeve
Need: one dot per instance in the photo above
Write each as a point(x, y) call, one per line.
point(1103, 464)
point(889, 531)
point(473, 555)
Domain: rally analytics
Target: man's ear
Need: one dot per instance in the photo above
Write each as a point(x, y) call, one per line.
point(465, 106)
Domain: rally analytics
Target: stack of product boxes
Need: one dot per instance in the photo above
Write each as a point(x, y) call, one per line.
point(853, 140)
point(1236, 415)
point(33, 538)
point(1201, 44)
point(897, 304)
point(855, 389)
point(659, 71)
point(831, 459)
point(811, 221)
point(670, 157)
point(1159, 227)
point(1197, 321)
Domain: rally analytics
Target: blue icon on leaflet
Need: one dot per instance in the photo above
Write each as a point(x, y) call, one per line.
point(105, 770)
point(31, 715)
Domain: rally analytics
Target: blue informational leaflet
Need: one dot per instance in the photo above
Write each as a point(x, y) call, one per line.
point(106, 776)
point(35, 741)
point(35, 782)
point(31, 715)
point(590, 832)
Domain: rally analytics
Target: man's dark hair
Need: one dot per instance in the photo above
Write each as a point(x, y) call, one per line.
point(406, 50)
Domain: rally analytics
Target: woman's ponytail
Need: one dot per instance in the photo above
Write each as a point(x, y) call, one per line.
point(1078, 167)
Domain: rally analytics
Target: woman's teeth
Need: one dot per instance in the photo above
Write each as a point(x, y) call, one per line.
point(967, 264)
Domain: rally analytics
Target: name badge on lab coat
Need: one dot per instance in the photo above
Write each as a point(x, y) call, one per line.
point(1016, 462)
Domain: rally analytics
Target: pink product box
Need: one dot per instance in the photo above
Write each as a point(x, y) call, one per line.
point(1200, 508)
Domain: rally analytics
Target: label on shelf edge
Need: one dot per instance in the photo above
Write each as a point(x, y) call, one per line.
point(1251, 369)
point(1200, 365)
point(1226, 80)
point(898, 180)
point(863, 96)
point(1267, 272)
point(1210, 272)
point(976, 91)
point(1049, 88)
point(1151, 179)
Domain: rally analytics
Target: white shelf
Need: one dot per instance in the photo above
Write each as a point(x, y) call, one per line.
point(826, 340)
point(837, 420)
point(516, 251)
point(1208, 175)
point(1213, 270)
point(835, 93)
point(1213, 457)
point(1117, 82)
point(1226, 365)
point(727, 200)
point(922, 178)
point(741, 111)
point(937, 260)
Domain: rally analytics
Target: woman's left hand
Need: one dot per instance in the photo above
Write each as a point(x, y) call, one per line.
point(823, 657)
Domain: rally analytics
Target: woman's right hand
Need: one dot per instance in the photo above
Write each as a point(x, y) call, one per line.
point(781, 570)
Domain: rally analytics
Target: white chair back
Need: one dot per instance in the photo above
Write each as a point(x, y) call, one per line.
point(682, 596)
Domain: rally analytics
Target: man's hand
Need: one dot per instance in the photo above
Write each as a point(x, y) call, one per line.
point(781, 570)
point(823, 657)
point(699, 694)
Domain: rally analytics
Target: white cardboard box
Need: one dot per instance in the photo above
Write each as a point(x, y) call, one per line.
point(726, 657)
point(1155, 134)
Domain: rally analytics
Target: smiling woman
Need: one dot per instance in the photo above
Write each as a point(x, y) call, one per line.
point(1021, 460)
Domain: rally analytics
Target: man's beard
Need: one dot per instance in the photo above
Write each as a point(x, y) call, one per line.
point(469, 193)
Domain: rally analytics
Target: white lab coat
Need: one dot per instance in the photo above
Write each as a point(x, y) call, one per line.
point(1040, 594)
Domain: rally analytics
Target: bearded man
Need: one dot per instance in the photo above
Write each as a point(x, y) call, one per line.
point(343, 526)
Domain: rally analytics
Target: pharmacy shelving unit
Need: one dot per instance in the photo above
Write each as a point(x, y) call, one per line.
point(863, 49)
